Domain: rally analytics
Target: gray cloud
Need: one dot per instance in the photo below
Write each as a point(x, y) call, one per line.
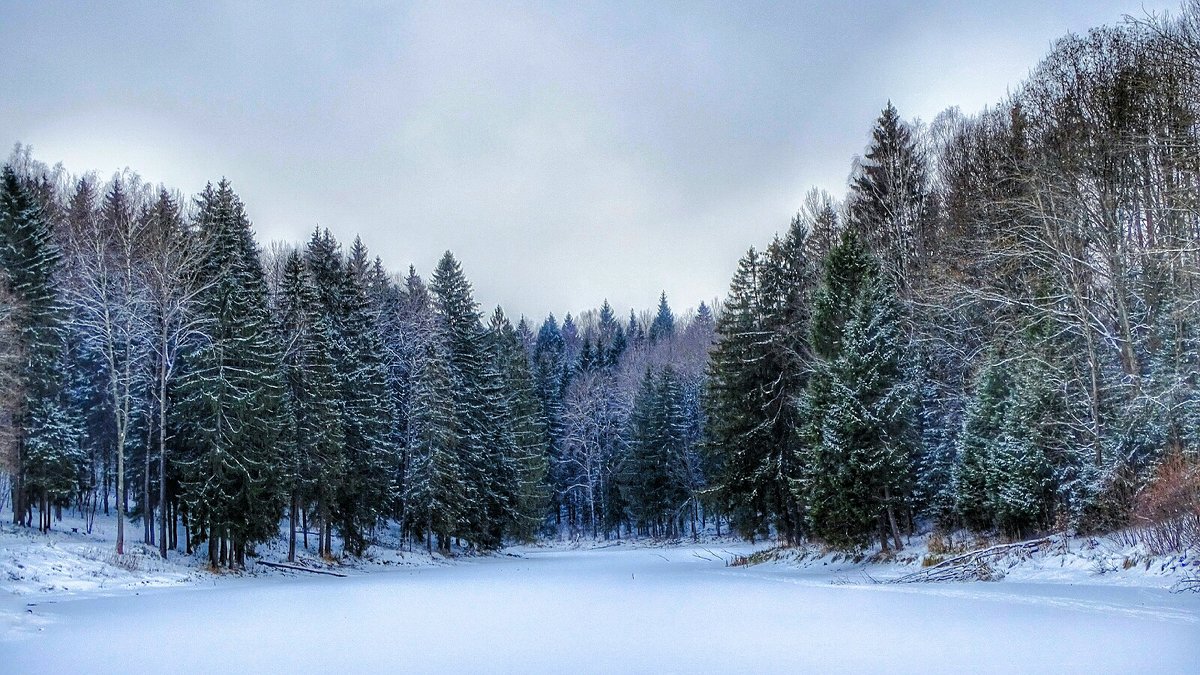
point(566, 153)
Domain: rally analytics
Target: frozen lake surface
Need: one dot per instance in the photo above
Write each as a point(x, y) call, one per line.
point(604, 611)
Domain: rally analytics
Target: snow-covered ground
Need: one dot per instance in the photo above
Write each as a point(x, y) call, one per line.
point(69, 562)
point(615, 608)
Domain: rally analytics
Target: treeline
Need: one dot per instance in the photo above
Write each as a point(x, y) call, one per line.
point(997, 328)
point(159, 363)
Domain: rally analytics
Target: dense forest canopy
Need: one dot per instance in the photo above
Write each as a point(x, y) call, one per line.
point(995, 328)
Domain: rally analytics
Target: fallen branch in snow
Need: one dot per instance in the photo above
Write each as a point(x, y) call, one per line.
point(1189, 584)
point(298, 568)
point(972, 566)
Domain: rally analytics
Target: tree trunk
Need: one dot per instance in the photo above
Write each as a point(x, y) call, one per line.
point(106, 481)
point(120, 498)
point(147, 508)
point(292, 530)
point(891, 514)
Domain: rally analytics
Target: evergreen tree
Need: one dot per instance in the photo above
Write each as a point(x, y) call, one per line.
point(462, 335)
point(1021, 481)
point(227, 415)
point(313, 401)
point(888, 196)
point(978, 446)
point(365, 489)
point(737, 447)
point(663, 326)
point(436, 488)
point(549, 365)
point(656, 478)
point(47, 456)
point(859, 405)
point(526, 426)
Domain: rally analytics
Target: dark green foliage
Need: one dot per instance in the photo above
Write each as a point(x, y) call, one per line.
point(978, 444)
point(462, 335)
point(314, 436)
point(524, 425)
point(888, 196)
point(656, 478)
point(858, 406)
point(48, 455)
point(663, 326)
point(758, 371)
point(735, 447)
point(436, 488)
point(228, 410)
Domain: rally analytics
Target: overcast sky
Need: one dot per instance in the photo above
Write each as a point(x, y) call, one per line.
point(566, 152)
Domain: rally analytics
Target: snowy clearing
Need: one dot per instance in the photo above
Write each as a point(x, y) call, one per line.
point(616, 609)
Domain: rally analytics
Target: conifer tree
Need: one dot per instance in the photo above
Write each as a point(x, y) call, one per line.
point(737, 448)
point(46, 452)
point(526, 427)
point(1021, 477)
point(313, 401)
point(656, 477)
point(227, 415)
point(888, 196)
point(977, 447)
point(549, 366)
point(859, 404)
point(436, 489)
point(663, 326)
point(365, 489)
point(462, 335)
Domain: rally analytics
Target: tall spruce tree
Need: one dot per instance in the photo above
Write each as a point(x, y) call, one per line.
point(313, 401)
point(365, 490)
point(888, 196)
point(47, 453)
point(228, 410)
point(526, 425)
point(656, 480)
point(857, 470)
point(737, 448)
point(978, 444)
point(461, 332)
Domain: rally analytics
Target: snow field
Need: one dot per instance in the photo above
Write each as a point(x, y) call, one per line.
point(615, 609)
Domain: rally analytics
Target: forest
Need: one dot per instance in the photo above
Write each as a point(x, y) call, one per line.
point(994, 329)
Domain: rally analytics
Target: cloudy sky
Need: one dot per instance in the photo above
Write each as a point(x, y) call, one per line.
point(566, 152)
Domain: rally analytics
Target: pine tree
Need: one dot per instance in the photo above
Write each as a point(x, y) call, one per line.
point(462, 335)
point(888, 196)
point(656, 478)
point(313, 400)
point(47, 454)
point(228, 414)
point(663, 326)
point(859, 404)
point(736, 443)
point(549, 365)
point(1021, 478)
point(978, 445)
point(365, 489)
point(436, 488)
point(786, 279)
point(526, 426)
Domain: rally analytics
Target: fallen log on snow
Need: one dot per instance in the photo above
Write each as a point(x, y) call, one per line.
point(973, 566)
point(298, 568)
